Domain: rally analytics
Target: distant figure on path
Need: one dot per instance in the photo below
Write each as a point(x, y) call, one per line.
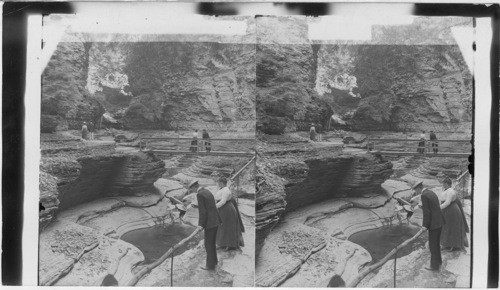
point(320, 131)
point(229, 235)
point(109, 279)
point(312, 132)
point(206, 141)
point(453, 235)
point(194, 142)
point(434, 142)
point(85, 131)
point(433, 221)
point(91, 130)
point(421, 143)
point(208, 220)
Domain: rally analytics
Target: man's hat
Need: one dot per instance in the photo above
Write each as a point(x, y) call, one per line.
point(417, 184)
point(192, 183)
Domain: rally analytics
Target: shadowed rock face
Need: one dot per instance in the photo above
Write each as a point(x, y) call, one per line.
point(295, 184)
point(341, 176)
point(270, 201)
point(66, 103)
point(74, 182)
point(409, 77)
point(151, 85)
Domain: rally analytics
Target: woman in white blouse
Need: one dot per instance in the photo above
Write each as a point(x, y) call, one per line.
point(229, 234)
point(453, 234)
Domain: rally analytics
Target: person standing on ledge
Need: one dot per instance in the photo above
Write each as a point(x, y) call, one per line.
point(320, 131)
point(91, 130)
point(421, 143)
point(206, 140)
point(312, 133)
point(454, 234)
point(433, 221)
point(434, 143)
point(208, 220)
point(194, 142)
point(85, 131)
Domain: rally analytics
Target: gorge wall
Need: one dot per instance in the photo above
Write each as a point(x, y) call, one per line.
point(150, 85)
point(297, 183)
point(392, 82)
point(69, 181)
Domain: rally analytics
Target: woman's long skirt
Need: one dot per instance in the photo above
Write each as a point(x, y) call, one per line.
point(229, 233)
point(454, 231)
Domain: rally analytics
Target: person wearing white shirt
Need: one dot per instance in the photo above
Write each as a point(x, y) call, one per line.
point(453, 235)
point(229, 235)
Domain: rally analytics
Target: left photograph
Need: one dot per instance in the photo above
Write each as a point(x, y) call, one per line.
point(147, 171)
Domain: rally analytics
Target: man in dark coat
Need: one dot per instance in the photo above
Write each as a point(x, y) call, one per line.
point(434, 142)
point(433, 221)
point(209, 220)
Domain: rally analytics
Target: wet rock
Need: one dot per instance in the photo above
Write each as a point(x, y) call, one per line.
point(270, 202)
point(48, 198)
point(345, 175)
point(138, 173)
point(88, 178)
point(165, 185)
point(126, 137)
point(59, 250)
point(284, 253)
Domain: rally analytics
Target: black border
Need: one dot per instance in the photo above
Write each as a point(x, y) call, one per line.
point(14, 63)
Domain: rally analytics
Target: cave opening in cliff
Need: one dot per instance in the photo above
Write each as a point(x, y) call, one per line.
point(155, 241)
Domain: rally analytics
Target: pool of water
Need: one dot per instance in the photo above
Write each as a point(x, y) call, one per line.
point(155, 241)
point(379, 242)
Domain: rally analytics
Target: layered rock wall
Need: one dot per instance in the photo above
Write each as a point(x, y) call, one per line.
point(345, 175)
point(270, 201)
point(67, 182)
point(150, 85)
point(66, 103)
point(406, 78)
point(292, 184)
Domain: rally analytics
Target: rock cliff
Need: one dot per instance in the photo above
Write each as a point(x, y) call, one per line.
point(66, 102)
point(293, 183)
point(69, 180)
point(391, 82)
point(150, 84)
point(270, 201)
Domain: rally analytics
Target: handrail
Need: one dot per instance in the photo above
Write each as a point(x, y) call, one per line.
point(190, 139)
point(236, 177)
point(418, 140)
point(242, 168)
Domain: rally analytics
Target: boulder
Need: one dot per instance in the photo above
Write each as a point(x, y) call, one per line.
point(126, 137)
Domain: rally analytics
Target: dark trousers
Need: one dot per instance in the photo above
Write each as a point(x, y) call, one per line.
point(434, 246)
point(435, 147)
point(210, 237)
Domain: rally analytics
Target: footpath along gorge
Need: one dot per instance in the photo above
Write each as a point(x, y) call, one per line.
point(325, 210)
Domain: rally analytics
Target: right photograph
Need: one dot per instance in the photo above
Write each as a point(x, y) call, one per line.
point(364, 132)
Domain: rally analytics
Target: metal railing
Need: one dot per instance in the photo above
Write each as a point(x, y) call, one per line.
point(423, 148)
point(245, 174)
point(198, 146)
